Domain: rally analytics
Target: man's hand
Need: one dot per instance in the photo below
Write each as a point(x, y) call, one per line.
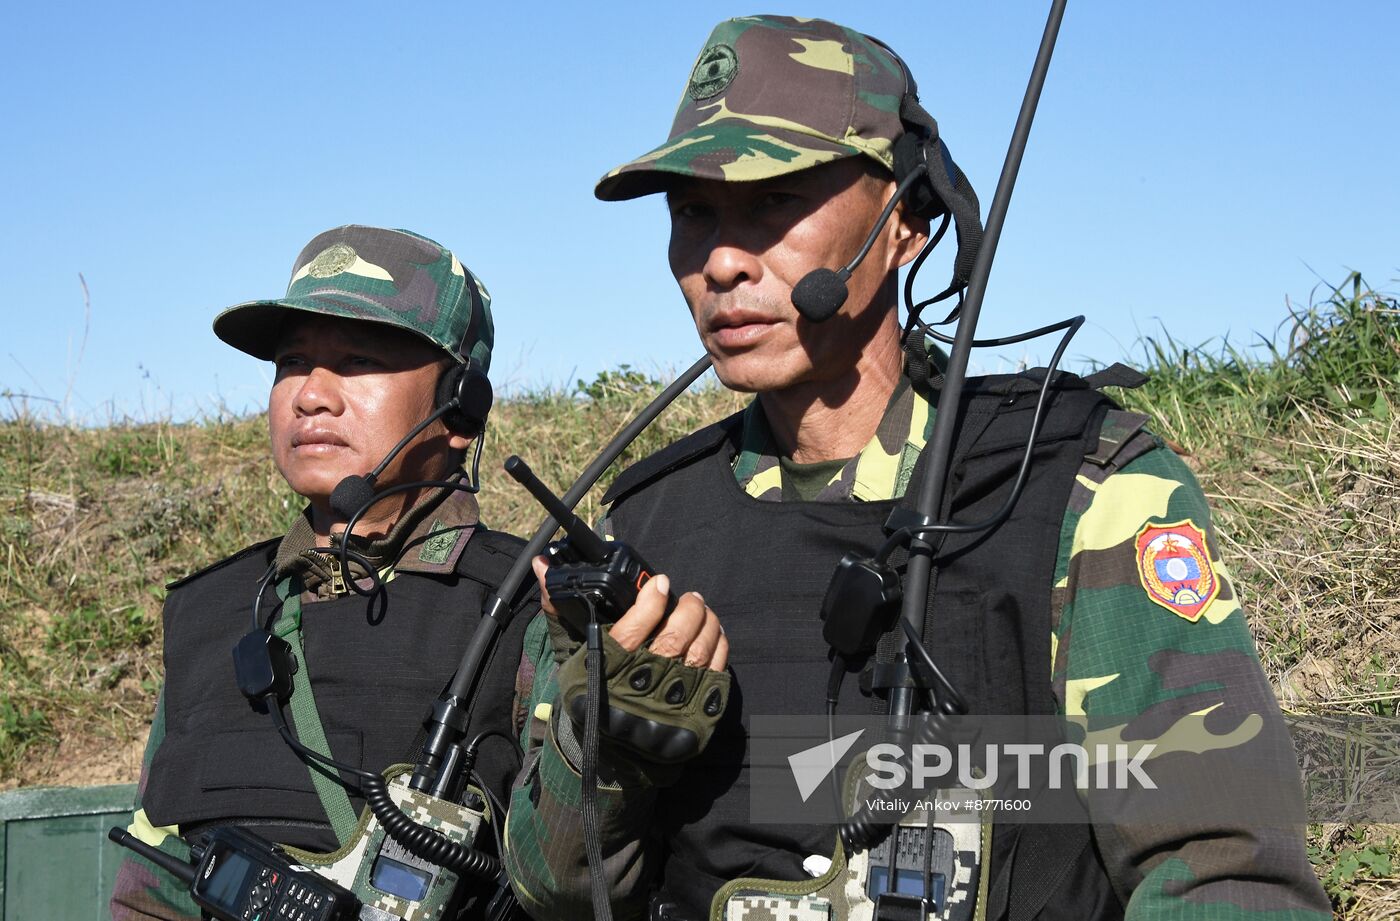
point(691, 632)
point(666, 683)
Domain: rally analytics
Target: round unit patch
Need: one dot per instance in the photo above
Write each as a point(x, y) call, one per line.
point(1174, 567)
point(331, 261)
point(714, 72)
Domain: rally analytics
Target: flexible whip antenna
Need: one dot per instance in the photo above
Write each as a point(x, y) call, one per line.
point(933, 487)
point(448, 722)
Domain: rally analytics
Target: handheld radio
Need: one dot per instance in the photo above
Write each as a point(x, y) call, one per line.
point(238, 876)
point(590, 576)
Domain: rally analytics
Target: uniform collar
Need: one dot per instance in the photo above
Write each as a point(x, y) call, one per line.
point(880, 471)
point(429, 538)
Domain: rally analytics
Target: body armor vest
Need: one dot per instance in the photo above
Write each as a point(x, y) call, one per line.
point(764, 567)
point(375, 671)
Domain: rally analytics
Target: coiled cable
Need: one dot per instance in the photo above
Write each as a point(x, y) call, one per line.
point(427, 843)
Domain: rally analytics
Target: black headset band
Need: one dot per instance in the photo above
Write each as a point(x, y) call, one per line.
point(947, 183)
point(467, 383)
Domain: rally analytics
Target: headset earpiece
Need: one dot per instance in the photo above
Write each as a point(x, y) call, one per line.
point(910, 152)
point(942, 188)
point(930, 184)
point(469, 386)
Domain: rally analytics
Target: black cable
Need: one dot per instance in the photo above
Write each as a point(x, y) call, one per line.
point(928, 863)
point(950, 702)
point(904, 535)
point(498, 813)
point(343, 549)
point(280, 719)
point(924, 253)
point(474, 486)
point(928, 330)
point(834, 679)
point(257, 599)
point(344, 556)
point(475, 743)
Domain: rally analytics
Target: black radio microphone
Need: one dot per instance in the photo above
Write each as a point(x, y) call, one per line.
point(355, 491)
point(351, 493)
point(463, 400)
point(821, 292)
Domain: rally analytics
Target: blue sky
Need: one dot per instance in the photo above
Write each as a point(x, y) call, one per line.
point(1191, 166)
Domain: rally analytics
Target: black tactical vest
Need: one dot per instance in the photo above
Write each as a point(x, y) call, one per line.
point(374, 673)
point(763, 567)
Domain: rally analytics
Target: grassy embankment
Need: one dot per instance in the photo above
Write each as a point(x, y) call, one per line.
point(1298, 450)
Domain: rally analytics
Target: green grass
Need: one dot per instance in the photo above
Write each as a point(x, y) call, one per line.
point(1295, 439)
point(1297, 444)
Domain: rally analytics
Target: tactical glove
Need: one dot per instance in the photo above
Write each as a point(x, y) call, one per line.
point(656, 708)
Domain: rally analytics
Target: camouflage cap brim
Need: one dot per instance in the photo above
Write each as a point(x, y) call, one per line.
point(395, 277)
point(733, 150)
point(256, 326)
point(771, 95)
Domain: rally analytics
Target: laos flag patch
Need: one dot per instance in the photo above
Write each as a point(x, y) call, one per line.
point(1175, 569)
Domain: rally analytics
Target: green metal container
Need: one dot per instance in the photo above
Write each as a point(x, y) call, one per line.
point(56, 863)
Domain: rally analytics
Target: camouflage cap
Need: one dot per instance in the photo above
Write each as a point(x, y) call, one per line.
point(383, 276)
point(771, 95)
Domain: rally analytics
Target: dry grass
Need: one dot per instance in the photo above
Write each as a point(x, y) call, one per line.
point(1299, 452)
point(94, 521)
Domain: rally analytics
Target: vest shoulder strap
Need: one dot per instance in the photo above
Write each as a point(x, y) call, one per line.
point(488, 557)
point(1000, 408)
point(672, 456)
point(1122, 438)
point(1116, 375)
point(262, 547)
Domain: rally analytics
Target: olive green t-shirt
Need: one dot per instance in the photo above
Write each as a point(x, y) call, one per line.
point(802, 482)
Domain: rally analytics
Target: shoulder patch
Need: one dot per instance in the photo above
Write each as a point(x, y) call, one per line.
point(270, 543)
point(439, 546)
point(1174, 568)
point(673, 455)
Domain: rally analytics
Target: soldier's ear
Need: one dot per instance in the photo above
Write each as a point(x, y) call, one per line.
point(909, 232)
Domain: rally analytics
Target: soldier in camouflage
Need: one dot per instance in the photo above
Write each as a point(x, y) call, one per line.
point(778, 162)
point(372, 320)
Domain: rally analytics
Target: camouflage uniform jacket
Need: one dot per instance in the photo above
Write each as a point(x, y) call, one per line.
point(1117, 649)
point(429, 539)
